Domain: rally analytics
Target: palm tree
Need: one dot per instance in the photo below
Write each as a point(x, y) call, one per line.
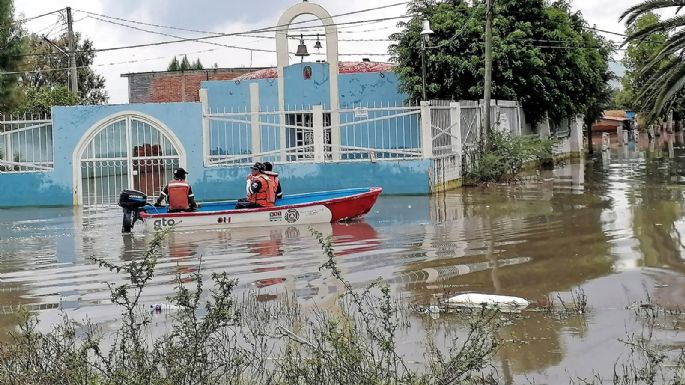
point(665, 73)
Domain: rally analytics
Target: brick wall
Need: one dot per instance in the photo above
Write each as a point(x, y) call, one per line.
point(177, 86)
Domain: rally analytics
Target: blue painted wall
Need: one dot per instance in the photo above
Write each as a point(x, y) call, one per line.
point(395, 177)
point(70, 124)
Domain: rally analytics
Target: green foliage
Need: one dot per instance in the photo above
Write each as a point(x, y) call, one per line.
point(174, 65)
point(657, 46)
point(198, 65)
point(542, 55)
point(91, 86)
point(11, 47)
point(184, 64)
point(637, 57)
point(215, 339)
point(40, 100)
point(505, 156)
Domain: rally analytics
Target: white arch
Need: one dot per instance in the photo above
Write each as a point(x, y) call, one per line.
point(283, 59)
point(102, 124)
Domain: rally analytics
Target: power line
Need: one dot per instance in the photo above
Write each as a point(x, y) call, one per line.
point(208, 37)
point(24, 20)
point(213, 43)
point(605, 31)
point(218, 34)
point(179, 37)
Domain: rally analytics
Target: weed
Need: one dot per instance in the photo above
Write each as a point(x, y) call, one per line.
point(501, 157)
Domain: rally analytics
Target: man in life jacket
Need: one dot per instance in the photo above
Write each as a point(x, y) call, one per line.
point(178, 193)
point(261, 190)
point(268, 170)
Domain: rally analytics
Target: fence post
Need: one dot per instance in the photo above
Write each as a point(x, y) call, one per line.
point(335, 133)
point(426, 130)
point(254, 121)
point(455, 128)
point(318, 134)
point(205, 126)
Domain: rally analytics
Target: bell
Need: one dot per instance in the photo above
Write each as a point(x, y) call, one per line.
point(317, 45)
point(302, 49)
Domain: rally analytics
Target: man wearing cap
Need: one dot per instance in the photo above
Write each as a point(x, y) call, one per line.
point(273, 176)
point(261, 191)
point(178, 193)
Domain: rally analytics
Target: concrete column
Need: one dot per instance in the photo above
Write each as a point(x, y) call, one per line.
point(255, 127)
point(204, 100)
point(426, 130)
point(317, 122)
point(576, 134)
point(606, 141)
point(619, 134)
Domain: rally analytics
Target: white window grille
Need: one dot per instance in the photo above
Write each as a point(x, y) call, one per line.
point(25, 144)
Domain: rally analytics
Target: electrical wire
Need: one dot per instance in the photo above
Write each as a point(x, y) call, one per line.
point(218, 34)
point(24, 20)
point(204, 38)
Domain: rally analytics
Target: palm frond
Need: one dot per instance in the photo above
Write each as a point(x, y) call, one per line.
point(631, 14)
point(673, 46)
point(664, 26)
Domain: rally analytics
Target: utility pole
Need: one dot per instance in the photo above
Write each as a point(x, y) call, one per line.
point(423, 69)
point(72, 53)
point(488, 67)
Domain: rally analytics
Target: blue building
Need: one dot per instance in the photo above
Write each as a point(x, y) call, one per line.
point(325, 125)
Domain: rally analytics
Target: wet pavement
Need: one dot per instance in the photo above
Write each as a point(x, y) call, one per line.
point(611, 225)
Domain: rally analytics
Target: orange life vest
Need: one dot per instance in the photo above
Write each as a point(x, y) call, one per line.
point(266, 196)
point(178, 195)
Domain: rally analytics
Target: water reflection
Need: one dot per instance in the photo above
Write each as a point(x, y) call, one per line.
point(611, 224)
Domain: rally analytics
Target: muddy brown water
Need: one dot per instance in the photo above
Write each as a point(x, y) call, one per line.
point(611, 225)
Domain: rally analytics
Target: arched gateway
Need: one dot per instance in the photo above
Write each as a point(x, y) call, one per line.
point(128, 150)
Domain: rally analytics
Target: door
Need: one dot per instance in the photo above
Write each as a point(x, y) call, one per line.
point(127, 152)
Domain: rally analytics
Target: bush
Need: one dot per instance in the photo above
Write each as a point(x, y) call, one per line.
point(501, 157)
point(215, 338)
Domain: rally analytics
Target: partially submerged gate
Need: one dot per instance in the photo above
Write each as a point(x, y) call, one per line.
point(126, 151)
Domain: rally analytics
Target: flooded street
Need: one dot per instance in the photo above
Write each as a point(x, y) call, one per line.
point(611, 225)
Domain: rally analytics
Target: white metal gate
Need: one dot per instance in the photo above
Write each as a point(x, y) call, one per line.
point(128, 152)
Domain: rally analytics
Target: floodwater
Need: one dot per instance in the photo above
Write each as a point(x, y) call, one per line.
point(611, 225)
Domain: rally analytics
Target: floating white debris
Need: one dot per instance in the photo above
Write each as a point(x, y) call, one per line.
point(160, 307)
point(490, 301)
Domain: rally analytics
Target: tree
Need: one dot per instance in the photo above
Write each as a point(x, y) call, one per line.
point(542, 55)
point(185, 64)
point(41, 73)
point(39, 100)
point(664, 74)
point(198, 65)
point(11, 49)
point(638, 55)
point(173, 66)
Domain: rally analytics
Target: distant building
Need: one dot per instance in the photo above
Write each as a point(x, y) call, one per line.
point(175, 86)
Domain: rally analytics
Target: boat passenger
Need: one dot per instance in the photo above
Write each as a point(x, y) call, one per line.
point(274, 176)
point(178, 194)
point(261, 191)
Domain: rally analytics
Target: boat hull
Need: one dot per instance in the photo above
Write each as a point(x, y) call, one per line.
point(301, 209)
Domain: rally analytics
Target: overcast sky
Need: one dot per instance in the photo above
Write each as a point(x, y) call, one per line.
point(230, 16)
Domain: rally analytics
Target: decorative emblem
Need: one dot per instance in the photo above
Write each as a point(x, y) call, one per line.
point(291, 216)
point(307, 72)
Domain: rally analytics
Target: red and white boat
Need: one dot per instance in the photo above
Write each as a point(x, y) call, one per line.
point(308, 208)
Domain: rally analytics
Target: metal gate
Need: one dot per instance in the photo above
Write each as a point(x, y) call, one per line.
point(128, 152)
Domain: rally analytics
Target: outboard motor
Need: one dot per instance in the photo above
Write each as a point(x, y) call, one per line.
point(132, 202)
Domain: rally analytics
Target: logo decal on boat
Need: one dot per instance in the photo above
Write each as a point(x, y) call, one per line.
point(223, 220)
point(275, 216)
point(291, 216)
point(160, 223)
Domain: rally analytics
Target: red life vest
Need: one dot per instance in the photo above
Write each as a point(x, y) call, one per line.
point(266, 195)
point(178, 195)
